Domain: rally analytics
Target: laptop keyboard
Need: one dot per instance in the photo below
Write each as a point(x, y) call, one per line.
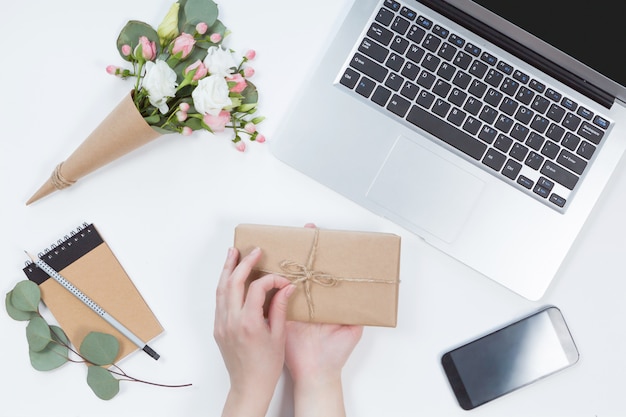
point(513, 125)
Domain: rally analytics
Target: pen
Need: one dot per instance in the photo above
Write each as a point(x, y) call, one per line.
point(95, 307)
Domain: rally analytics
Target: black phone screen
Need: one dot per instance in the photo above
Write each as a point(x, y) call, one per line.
point(510, 358)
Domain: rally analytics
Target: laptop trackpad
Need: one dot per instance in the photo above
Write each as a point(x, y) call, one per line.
point(425, 189)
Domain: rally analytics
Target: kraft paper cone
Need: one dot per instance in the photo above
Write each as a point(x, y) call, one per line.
point(121, 132)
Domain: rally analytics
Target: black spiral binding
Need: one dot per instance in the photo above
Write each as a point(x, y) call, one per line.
point(66, 251)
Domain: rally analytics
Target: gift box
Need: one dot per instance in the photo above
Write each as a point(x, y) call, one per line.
point(342, 277)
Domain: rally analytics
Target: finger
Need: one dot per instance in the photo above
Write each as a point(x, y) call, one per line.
point(229, 266)
point(236, 283)
point(257, 292)
point(277, 315)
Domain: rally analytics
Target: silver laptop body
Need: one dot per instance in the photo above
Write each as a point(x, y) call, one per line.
point(489, 210)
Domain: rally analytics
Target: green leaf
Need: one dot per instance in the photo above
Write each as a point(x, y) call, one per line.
point(250, 94)
point(131, 33)
point(258, 120)
point(193, 12)
point(54, 355)
point(102, 383)
point(26, 296)
point(99, 348)
point(38, 334)
point(15, 313)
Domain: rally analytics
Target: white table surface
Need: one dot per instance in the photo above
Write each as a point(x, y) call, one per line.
point(169, 209)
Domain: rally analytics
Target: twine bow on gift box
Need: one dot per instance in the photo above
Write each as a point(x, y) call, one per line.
point(304, 273)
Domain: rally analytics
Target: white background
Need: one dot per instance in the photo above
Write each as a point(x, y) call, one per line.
point(169, 209)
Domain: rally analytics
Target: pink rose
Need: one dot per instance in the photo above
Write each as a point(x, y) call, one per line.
point(240, 83)
point(201, 70)
point(146, 49)
point(217, 123)
point(183, 45)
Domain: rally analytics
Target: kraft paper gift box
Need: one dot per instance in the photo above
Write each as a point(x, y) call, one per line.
point(342, 277)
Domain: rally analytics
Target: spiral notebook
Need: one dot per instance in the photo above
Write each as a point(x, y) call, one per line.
point(87, 261)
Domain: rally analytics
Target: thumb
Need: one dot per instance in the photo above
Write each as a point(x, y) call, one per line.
point(277, 314)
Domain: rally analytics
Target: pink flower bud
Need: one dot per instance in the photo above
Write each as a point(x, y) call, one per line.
point(240, 83)
point(201, 28)
point(250, 127)
point(187, 131)
point(250, 54)
point(241, 146)
point(126, 50)
point(215, 37)
point(183, 45)
point(201, 70)
point(248, 72)
point(146, 49)
point(260, 138)
point(184, 107)
point(181, 116)
point(112, 69)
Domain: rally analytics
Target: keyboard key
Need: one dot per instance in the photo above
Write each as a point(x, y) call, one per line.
point(509, 106)
point(349, 78)
point(511, 169)
point(555, 132)
point(461, 79)
point(572, 162)
point(426, 79)
point(472, 49)
point(488, 58)
point(518, 151)
point(394, 81)
point(441, 31)
point(525, 182)
point(505, 68)
point(559, 174)
point(369, 67)
point(462, 60)
point(441, 108)
point(400, 25)
point(534, 160)
point(553, 95)
point(539, 123)
point(521, 77)
point(525, 95)
point(586, 150)
point(425, 99)
point(441, 88)
point(477, 88)
point(456, 40)
point(487, 134)
point(510, 86)
point(416, 34)
point(493, 97)
point(600, 121)
point(569, 104)
point(365, 87)
point(394, 62)
point(537, 86)
point(472, 125)
point(478, 69)
point(540, 104)
point(472, 106)
point(398, 105)
point(446, 71)
point(456, 116)
point(535, 141)
point(424, 22)
point(393, 5)
point(488, 114)
point(571, 141)
point(571, 121)
point(409, 90)
point(457, 97)
point(524, 115)
point(494, 159)
point(584, 113)
point(410, 71)
point(399, 44)
point(503, 143)
point(519, 132)
point(408, 13)
point(381, 95)
point(550, 149)
point(447, 51)
point(590, 132)
point(431, 42)
point(431, 62)
point(448, 133)
point(373, 50)
point(415, 53)
point(541, 191)
point(380, 34)
point(504, 123)
point(494, 77)
point(557, 199)
point(556, 113)
point(385, 16)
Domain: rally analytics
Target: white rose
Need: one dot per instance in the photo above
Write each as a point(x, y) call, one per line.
point(211, 95)
point(219, 61)
point(160, 83)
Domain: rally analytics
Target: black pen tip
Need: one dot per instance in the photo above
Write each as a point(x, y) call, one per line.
point(151, 352)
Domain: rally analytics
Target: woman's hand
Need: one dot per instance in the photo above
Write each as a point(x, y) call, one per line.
point(253, 348)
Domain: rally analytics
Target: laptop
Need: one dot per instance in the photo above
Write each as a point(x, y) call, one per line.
point(489, 128)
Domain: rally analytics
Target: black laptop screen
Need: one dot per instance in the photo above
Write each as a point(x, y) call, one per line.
point(593, 32)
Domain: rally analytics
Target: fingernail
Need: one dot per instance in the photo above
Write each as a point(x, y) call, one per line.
point(290, 289)
point(255, 251)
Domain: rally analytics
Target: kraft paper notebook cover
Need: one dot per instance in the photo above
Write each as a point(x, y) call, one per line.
point(85, 259)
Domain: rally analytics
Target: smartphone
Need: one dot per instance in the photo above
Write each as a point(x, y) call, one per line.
point(510, 358)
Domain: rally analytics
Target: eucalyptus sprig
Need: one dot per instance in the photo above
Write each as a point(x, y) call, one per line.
point(50, 348)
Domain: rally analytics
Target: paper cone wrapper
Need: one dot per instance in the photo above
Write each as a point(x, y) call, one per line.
point(121, 132)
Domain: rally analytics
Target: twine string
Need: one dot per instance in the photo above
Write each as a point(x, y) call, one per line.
point(58, 180)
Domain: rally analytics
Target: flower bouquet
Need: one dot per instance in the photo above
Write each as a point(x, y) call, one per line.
point(184, 80)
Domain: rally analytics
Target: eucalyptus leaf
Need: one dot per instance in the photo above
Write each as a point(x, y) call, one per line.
point(250, 93)
point(131, 33)
point(99, 348)
point(15, 313)
point(59, 336)
point(53, 356)
point(38, 334)
point(196, 11)
point(26, 296)
point(102, 383)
